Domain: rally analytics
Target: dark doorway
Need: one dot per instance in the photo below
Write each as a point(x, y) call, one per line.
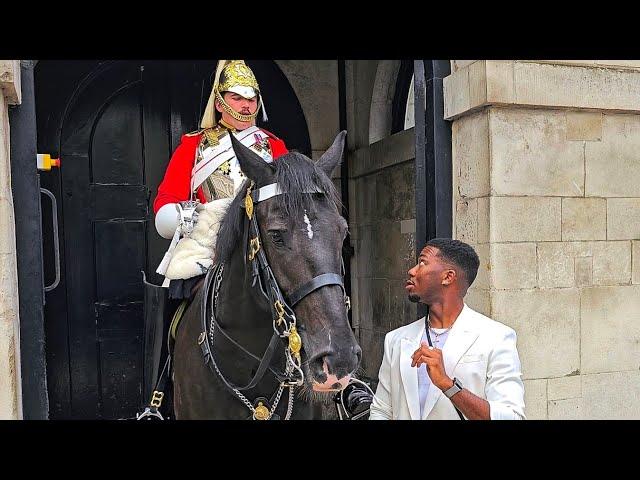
point(114, 125)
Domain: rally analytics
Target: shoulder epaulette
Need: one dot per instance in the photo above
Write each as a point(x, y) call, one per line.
point(213, 135)
point(194, 133)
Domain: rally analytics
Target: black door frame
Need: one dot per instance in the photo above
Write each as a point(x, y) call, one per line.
point(433, 181)
point(433, 153)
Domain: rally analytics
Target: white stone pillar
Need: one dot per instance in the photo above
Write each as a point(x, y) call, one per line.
point(10, 391)
point(546, 179)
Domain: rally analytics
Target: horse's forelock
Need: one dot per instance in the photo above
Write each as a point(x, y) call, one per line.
point(295, 174)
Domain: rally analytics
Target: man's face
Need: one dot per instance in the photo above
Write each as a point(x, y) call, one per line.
point(240, 104)
point(425, 283)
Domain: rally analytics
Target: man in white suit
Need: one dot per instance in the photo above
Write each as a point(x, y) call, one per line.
point(456, 362)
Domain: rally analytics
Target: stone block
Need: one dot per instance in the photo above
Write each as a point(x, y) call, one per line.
point(7, 227)
point(470, 149)
point(373, 304)
point(466, 220)
point(565, 387)
point(484, 226)
point(584, 219)
point(557, 267)
point(584, 126)
point(584, 271)
point(483, 280)
point(479, 300)
point(548, 328)
point(610, 329)
point(525, 219)
point(10, 82)
point(513, 265)
point(456, 93)
point(612, 166)
point(569, 409)
point(530, 154)
point(535, 399)
point(611, 396)
point(635, 276)
point(372, 344)
point(623, 218)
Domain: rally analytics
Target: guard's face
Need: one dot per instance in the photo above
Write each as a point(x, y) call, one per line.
point(425, 280)
point(240, 104)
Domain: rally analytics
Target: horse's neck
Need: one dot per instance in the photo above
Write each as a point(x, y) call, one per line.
point(239, 304)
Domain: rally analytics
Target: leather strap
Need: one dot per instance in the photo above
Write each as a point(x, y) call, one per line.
point(314, 284)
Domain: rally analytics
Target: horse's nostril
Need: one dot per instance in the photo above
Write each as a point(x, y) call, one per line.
point(316, 365)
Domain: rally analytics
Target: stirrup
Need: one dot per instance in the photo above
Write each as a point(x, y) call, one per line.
point(149, 414)
point(152, 410)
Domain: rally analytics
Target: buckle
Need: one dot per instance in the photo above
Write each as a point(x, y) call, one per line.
point(254, 246)
point(280, 311)
point(156, 399)
point(248, 203)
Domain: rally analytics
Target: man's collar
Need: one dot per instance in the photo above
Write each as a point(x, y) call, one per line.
point(227, 126)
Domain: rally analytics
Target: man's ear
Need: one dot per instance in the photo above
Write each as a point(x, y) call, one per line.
point(449, 276)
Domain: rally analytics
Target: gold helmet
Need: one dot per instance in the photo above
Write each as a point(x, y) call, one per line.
point(232, 76)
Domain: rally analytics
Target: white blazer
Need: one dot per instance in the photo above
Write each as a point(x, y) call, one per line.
point(480, 352)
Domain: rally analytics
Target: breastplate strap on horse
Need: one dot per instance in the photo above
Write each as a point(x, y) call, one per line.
point(283, 317)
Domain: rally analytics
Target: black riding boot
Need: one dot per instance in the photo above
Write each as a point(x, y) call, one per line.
point(158, 312)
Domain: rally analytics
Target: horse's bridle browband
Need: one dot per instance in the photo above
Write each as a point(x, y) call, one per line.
point(284, 319)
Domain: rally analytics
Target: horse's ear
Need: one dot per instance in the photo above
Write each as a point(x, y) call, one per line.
point(333, 156)
point(252, 164)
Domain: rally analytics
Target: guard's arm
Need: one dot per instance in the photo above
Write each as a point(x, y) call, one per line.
point(167, 220)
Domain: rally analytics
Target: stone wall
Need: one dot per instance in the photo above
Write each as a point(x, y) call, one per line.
point(382, 227)
point(315, 82)
point(546, 166)
point(10, 391)
point(381, 208)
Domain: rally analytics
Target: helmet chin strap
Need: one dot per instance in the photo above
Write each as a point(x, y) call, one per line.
point(238, 116)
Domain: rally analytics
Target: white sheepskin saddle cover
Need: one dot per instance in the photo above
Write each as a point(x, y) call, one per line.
point(193, 255)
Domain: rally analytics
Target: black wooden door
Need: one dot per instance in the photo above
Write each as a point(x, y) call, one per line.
point(114, 142)
point(114, 125)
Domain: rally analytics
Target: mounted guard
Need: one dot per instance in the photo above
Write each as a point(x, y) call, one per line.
point(200, 182)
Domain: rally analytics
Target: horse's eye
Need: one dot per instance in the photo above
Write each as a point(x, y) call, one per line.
point(276, 237)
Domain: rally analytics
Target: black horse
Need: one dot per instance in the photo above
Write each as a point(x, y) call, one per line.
point(277, 283)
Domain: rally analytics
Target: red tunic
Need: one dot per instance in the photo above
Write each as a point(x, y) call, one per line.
point(177, 178)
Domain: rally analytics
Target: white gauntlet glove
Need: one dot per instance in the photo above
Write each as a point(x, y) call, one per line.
point(172, 215)
point(188, 216)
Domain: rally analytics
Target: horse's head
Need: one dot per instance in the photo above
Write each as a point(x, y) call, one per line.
point(302, 233)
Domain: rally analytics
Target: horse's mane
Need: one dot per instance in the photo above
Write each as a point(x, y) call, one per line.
point(295, 174)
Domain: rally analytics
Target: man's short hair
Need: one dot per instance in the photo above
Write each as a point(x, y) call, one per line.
point(459, 254)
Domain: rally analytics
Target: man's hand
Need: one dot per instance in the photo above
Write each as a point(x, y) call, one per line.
point(432, 358)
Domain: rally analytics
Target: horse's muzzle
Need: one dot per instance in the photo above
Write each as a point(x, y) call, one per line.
point(333, 372)
point(332, 382)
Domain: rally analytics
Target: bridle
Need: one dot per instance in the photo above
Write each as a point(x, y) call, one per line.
point(283, 318)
